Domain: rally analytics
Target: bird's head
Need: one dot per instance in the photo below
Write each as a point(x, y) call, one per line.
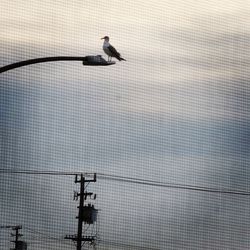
point(106, 38)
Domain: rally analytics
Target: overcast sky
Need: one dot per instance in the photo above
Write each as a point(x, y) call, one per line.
point(176, 111)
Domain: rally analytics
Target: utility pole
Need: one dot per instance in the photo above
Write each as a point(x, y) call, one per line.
point(16, 235)
point(86, 214)
point(18, 244)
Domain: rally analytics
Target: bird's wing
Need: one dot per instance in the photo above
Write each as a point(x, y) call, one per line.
point(113, 51)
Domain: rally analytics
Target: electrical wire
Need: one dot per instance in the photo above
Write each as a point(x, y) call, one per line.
point(131, 180)
point(172, 185)
point(37, 172)
point(120, 244)
point(43, 236)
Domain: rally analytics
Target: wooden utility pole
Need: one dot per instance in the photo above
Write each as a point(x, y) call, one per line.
point(16, 234)
point(86, 214)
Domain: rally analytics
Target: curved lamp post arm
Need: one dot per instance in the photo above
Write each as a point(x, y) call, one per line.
point(86, 60)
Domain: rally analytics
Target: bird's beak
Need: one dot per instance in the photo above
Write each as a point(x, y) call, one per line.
point(102, 38)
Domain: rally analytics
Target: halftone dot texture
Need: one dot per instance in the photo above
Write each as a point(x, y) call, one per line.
point(176, 113)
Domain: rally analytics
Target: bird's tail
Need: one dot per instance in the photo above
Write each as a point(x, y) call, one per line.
point(121, 59)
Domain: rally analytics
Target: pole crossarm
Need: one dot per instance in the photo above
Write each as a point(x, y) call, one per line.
point(86, 60)
point(83, 238)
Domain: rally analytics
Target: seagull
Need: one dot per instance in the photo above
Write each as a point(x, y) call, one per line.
point(110, 50)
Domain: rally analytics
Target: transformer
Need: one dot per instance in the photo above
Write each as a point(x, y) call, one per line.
point(21, 245)
point(89, 214)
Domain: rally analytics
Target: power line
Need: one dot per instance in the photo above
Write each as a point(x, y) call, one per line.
point(131, 180)
point(37, 172)
point(120, 244)
point(172, 185)
point(41, 236)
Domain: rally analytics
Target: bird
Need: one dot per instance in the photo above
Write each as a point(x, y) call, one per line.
point(110, 50)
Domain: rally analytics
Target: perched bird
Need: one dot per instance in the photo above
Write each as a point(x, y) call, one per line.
point(110, 50)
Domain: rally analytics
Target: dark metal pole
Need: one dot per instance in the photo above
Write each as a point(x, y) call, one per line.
point(41, 60)
point(86, 60)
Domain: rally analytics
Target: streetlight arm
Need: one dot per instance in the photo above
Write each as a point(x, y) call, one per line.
point(86, 60)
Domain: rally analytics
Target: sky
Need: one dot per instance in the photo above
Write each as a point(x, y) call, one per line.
point(177, 111)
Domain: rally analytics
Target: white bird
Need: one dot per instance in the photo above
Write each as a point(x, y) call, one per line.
point(110, 50)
